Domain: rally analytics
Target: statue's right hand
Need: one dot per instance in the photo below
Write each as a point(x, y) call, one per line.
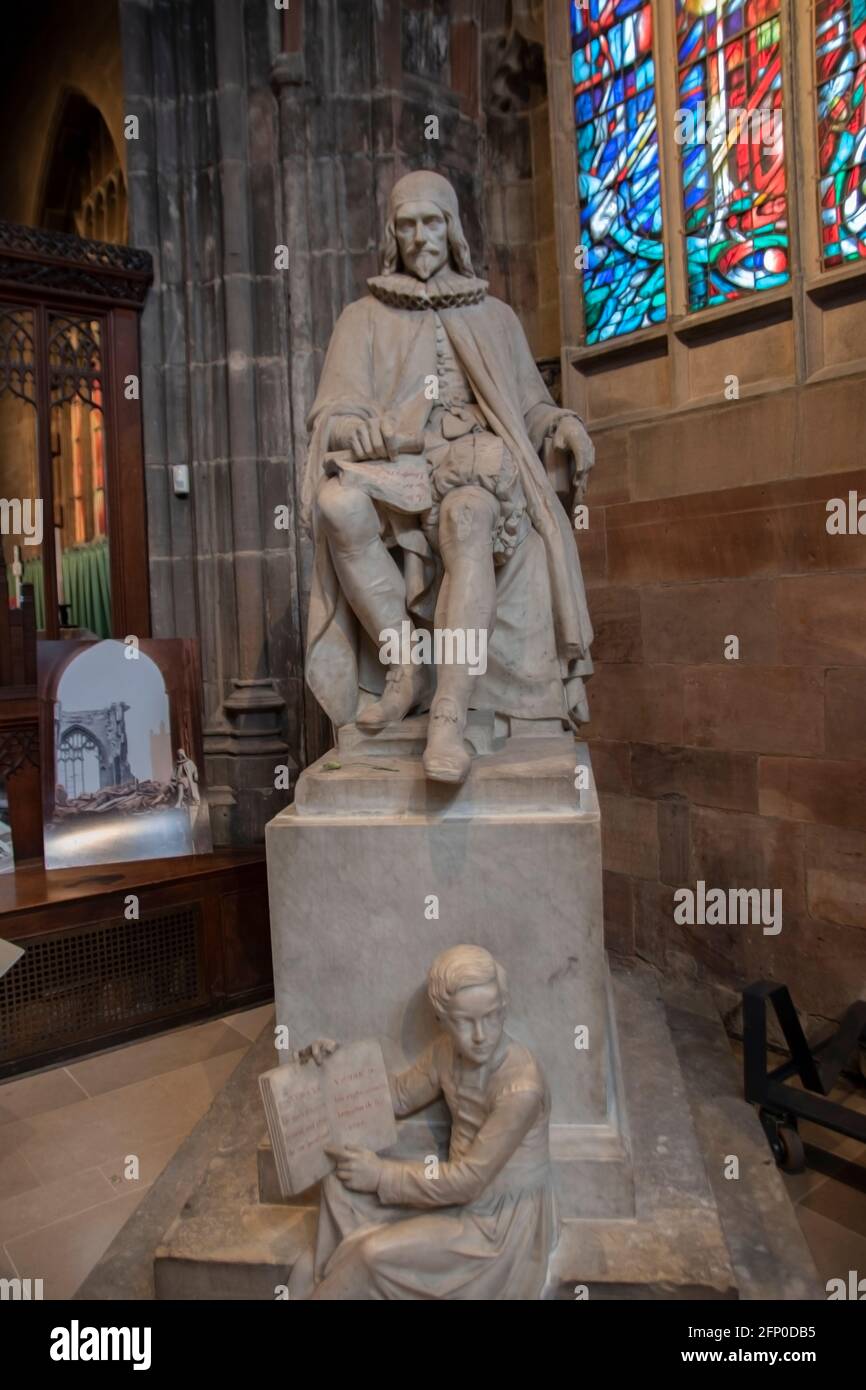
point(317, 1051)
point(367, 439)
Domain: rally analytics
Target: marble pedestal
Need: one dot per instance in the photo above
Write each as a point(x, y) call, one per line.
point(648, 1212)
point(375, 870)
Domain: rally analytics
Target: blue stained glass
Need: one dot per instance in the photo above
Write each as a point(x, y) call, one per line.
point(840, 59)
point(733, 169)
point(618, 167)
point(690, 42)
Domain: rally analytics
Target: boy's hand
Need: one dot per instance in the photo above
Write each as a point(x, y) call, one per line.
point(317, 1051)
point(358, 1169)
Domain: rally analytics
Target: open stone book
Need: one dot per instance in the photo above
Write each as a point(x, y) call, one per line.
point(344, 1101)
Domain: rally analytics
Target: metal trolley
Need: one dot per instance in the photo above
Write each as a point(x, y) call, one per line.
point(781, 1107)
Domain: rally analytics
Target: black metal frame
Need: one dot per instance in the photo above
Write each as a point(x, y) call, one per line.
point(818, 1068)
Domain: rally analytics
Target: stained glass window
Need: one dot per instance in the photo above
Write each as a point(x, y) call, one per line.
point(618, 167)
point(730, 128)
point(840, 37)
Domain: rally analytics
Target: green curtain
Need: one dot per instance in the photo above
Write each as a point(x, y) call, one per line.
point(31, 573)
point(86, 586)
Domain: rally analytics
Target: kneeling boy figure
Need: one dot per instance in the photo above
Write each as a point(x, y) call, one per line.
point(480, 1225)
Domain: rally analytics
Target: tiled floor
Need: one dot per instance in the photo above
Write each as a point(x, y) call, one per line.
point(79, 1144)
point(830, 1197)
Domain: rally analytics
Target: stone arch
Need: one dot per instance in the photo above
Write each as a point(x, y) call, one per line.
point(80, 157)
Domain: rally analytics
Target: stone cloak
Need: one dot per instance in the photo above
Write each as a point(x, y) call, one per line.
point(378, 360)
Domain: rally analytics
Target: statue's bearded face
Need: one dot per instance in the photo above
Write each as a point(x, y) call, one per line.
point(422, 235)
point(475, 1018)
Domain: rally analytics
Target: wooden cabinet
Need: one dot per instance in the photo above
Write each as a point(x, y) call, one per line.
point(115, 952)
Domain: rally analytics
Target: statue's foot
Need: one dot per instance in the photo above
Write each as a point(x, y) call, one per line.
point(404, 686)
point(445, 758)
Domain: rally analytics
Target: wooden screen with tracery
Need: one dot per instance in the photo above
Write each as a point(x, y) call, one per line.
point(72, 500)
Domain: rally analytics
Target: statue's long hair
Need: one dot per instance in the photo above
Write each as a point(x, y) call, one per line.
point(461, 259)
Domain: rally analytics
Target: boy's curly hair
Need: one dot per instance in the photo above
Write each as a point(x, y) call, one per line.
point(459, 968)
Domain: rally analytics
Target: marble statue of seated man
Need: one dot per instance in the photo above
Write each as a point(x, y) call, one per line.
point(429, 366)
point(479, 1225)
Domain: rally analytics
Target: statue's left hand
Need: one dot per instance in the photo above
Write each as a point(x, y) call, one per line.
point(358, 1169)
point(571, 437)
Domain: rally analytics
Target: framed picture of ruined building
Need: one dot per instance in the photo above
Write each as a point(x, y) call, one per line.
point(7, 855)
point(120, 727)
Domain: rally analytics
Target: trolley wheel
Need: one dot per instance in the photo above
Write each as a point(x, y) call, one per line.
point(793, 1159)
point(785, 1142)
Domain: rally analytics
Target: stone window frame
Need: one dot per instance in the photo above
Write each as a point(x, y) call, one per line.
point(812, 290)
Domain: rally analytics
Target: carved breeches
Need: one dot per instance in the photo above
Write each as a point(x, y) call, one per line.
point(479, 459)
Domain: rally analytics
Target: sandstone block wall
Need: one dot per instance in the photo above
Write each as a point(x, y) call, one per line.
point(748, 772)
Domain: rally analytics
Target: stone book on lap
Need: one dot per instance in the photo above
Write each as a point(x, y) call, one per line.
point(402, 483)
point(309, 1108)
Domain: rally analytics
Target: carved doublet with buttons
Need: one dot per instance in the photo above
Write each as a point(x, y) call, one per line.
point(464, 452)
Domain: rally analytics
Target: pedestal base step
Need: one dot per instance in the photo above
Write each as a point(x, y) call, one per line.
point(382, 775)
point(247, 1253)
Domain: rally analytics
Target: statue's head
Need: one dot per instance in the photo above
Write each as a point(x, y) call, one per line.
point(469, 993)
point(423, 233)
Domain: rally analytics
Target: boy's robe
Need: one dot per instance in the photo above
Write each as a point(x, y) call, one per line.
point(483, 1224)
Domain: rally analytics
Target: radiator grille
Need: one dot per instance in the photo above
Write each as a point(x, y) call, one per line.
point(99, 978)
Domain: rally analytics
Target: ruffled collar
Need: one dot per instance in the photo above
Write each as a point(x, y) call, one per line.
point(447, 290)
